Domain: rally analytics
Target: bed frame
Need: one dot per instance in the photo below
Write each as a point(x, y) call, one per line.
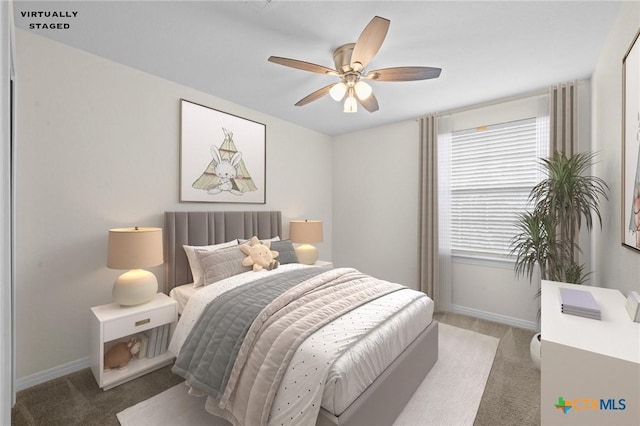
point(381, 403)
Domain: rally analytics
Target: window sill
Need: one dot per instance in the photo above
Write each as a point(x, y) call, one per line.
point(483, 261)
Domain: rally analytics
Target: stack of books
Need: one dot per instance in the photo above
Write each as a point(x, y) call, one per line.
point(158, 340)
point(579, 302)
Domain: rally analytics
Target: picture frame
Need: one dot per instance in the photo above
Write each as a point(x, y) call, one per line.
point(631, 146)
point(222, 156)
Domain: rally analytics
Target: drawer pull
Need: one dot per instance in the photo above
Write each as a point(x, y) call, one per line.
point(143, 322)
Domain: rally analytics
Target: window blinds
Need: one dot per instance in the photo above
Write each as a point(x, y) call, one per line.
point(493, 169)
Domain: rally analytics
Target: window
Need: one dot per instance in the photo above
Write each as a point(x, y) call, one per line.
point(493, 169)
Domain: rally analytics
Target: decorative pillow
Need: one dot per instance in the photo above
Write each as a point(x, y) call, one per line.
point(221, 264)
point(194, 260)
point(286, 250)
point(259, 255)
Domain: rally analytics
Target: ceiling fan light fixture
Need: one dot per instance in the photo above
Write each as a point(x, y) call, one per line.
point(357, 66)
point(338, 91)
point(350, 62)
point(350, 104)
point(363, 90)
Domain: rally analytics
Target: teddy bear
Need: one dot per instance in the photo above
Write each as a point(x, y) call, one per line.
point(259, 255)
point(120, 354)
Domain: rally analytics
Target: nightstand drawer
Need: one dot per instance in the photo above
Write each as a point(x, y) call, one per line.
point(138, 322)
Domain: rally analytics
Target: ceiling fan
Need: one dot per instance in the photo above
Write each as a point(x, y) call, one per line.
point(350, 61)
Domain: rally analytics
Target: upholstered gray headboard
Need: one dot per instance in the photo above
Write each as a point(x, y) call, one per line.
point(205, 228)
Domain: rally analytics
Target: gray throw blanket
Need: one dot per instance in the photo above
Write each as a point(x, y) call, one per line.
point(208, 355)
point(239, 350)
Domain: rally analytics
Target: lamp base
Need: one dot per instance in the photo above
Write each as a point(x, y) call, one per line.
point(135, 287)
point(307, 254)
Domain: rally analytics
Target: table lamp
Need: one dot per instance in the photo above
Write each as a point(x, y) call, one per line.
point(306, 232)
point(134, 249)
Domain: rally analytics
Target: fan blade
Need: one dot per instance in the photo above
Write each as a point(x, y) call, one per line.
point(403, 74)
point(315, 95)
point(369, 42)
point(370, 103)
point(302, 65)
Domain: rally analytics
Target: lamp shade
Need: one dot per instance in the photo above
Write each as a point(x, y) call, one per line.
point(363, 90)
point(338, 91)
point(350, 104)
point(135, 248)
point(305, 231)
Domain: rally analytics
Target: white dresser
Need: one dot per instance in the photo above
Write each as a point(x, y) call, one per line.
point(593, 365)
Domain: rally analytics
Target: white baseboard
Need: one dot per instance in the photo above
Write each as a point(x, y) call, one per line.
point(490, 316)
point(23, 383)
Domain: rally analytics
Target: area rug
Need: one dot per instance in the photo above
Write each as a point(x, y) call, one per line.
point(449, 395)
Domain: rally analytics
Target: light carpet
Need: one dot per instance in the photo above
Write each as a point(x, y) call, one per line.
point(449, 395)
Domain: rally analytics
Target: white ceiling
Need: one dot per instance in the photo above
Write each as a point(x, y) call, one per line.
point(486, 49)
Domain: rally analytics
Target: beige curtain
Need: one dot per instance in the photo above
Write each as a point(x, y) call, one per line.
point(428, 251)
point(563, 129)
point(563, 118)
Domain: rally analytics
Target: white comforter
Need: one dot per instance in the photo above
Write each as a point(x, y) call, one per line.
point(339, 361)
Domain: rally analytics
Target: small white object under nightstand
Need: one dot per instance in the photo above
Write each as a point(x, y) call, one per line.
point(112, 322)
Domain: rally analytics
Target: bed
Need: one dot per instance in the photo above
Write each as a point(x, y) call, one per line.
point(347, 399)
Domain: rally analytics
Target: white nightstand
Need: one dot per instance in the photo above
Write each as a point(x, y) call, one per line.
point(113, 322)
point(323, 263)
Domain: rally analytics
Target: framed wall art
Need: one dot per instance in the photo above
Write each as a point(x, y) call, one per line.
point(631, 146)
point(222, 156)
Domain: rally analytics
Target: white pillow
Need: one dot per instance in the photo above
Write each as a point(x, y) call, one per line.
point(194, 259)
point(276, 238)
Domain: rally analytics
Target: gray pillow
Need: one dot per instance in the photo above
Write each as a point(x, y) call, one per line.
point(222, 263)
point(194, 259)
point(287, 254)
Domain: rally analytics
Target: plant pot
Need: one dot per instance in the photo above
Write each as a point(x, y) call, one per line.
point(534, 348)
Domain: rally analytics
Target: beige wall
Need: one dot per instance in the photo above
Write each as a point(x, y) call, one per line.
point(615, 266)
point(98, 147)
point(375, 187)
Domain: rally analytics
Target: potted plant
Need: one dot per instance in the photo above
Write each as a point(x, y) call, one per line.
point(547, 236)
